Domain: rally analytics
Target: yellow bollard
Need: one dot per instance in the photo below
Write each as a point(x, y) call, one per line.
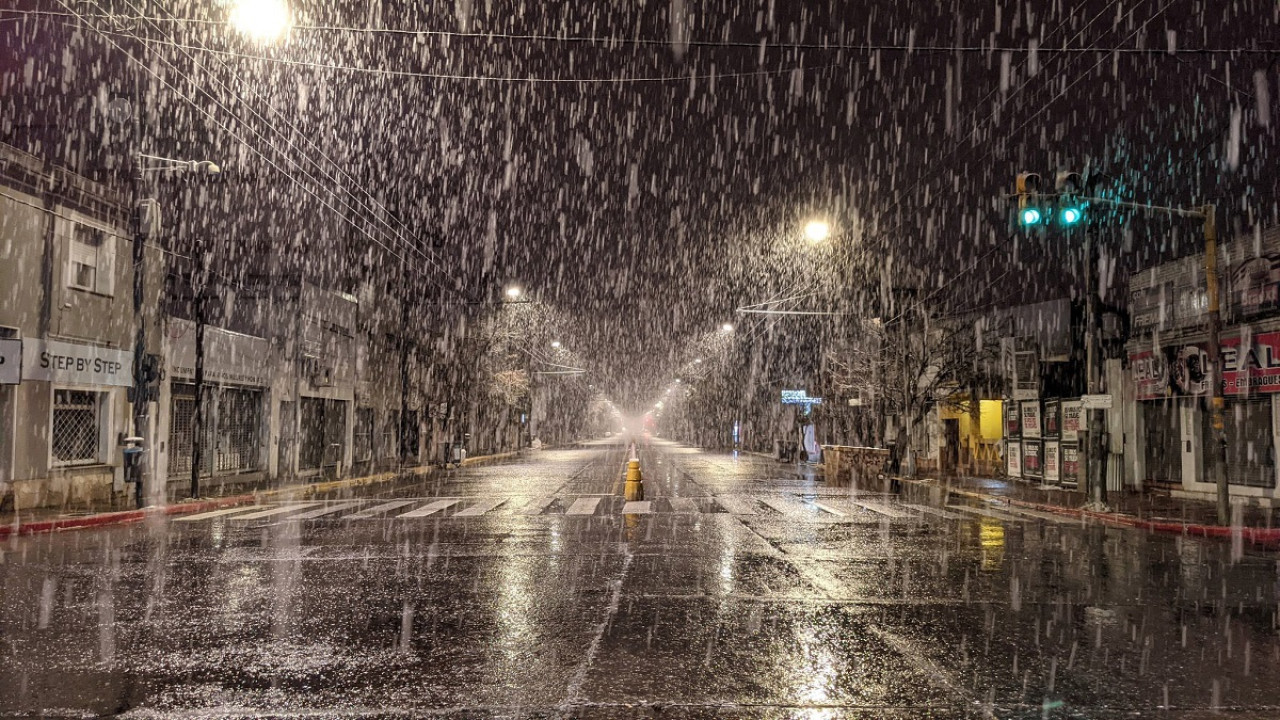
point(634, 489)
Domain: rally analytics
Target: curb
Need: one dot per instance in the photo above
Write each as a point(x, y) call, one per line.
point(1258, 536)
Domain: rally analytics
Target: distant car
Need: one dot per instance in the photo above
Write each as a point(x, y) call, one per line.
point(608, 433)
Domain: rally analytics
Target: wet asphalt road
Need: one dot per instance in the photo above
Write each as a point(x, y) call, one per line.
point(748, 589)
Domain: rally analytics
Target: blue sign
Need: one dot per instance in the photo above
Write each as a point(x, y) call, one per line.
point(799, 397)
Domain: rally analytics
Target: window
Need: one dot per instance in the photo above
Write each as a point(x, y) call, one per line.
point(390, 438)
point(91, 265)
point(231, 440)
point(78, 427)
point(362, 443)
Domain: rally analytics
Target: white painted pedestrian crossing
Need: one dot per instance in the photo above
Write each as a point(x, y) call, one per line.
point(637, 507)
point(683, 505)
point(935, 511)
point(272, 512)
point(326, 510)
point(382, 509)
point(988, 512)
point(885, 509)
point(480, 508)
point(431, 509)
point(829, 510)
point(737, 504)
point(219, 513)
point(583, 506)
point(538, 506)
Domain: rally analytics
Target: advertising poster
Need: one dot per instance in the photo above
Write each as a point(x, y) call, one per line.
point(1072, 421)
point(1031, 420)
point(1013, 459)
point(1031, 457)
point(1052, 465)
point(1053, 418)
point(1070, 463)
point(1250, 364)
point(1012, 420)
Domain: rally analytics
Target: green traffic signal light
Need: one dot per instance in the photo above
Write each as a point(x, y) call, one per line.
point(1072, 215)
point(1031, 216)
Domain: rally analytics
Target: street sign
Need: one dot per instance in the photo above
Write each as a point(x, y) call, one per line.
point(855, 402)
point(799, 397)
point(1095, 402)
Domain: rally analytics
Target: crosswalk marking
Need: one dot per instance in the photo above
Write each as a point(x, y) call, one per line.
point(219, 513)
point(377, 510)
point(272, 512)
point(636, 507)
point(432, 508)
point(737, 505)
point(683, 505)
point(1050, 517)
point(786, 507)
point(583, 506)
point(988, 512)
point(480, 508)
point(321, 512)
point(538, 506)
point(935, 511)
point(883, 509)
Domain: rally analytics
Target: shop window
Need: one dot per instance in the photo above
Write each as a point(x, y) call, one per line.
point(362, 436)
point(231, 433)
point(322, 430)
point(389, 435)
point(91, 261)
point(78, 426)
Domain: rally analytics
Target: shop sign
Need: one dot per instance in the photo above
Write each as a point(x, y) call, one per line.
point(799, 397)
point(1031, 467)
point(1184, 370)
point(1012, 420)
point(1031, 420)
point(1052, 468)
point(1096, 402)
point(228, 357)
point(1052, 418)
point(1013, 459)
point(1255, 286)
point(1070, 463)
point(73, 363)
point(10, 362)
point(1073, 421)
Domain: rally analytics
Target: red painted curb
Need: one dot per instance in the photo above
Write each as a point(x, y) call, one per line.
point(120, 518)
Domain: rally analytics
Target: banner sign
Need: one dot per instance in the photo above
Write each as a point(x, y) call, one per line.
point(1012, 420)
point(1073, 421)
point(1052, 418)
point(799, 397)
point(73, 363)
point(1013, 459)
point(1183, 370)
point(1070, 463)
point(1030, 420)
point(1052, 469)
point(1031, 467)
point(10, 362)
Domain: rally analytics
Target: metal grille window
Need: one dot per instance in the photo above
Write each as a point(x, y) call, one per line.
point(362, 441)
point(232, 431)
point(390, 442)
point(323, 427)
point(77, 427)
point(239, 414)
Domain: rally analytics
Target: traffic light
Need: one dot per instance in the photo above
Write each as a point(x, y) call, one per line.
point(1030, 211)
point(1069, 185)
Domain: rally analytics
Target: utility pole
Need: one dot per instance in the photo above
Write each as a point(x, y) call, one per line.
point(1216, 455)
point(1095, 458)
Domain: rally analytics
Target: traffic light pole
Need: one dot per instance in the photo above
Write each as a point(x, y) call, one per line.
point(1095, 458)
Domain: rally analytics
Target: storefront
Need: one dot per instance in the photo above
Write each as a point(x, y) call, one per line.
point(235, 433)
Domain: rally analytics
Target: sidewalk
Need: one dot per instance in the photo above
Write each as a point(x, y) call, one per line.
point(33, 521)
point(1152, 510)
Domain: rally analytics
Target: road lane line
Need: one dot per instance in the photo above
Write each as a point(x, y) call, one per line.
point(274, 511)
point(377, 510)
point(637, 507)
point(683, 505)
point(783, 506)
point(434, 507)
point(737, 505)
point(326, 510)
point(989, 513)
point(583, 506)
point(480, 508)
point(935, 511)
point(220, 513)
point(538, 506)
point(884, 510)
point(828, 509)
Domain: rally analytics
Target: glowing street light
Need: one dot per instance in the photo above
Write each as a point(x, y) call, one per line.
point(727, 327)
point(555, 344)
point(816, 231)
point(264, 21)
point(513, 292)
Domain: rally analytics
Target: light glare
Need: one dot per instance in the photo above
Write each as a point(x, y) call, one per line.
point(261, 20)
point(817, 231)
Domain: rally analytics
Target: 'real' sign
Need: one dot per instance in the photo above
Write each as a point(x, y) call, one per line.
point(10, 362)
point(73, 363)
point(1249, 365)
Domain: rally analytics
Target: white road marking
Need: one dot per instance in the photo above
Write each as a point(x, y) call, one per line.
point(377, 510)
point(1049, 517)
point(637, 507)
point(583, 506)
point(989, 513)
point(683, 505)
point(480, 508)
point(538, 506)
point(737, 505)
point(935, 511)
point(783, 506)
point(884, 510)
point(828, 509)
point(219, 513)
point(274, 511)
point(434, 507)
point(321, 512)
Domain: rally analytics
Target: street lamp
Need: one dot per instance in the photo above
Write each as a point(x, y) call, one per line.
point(727, 327)
point(514, 292)
point(263, 21)
point(817, 230)
point(555, 344)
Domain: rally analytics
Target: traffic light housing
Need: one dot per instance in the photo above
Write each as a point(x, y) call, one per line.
point(1030, 210)
point(1069, 185)
point(1063, 207)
